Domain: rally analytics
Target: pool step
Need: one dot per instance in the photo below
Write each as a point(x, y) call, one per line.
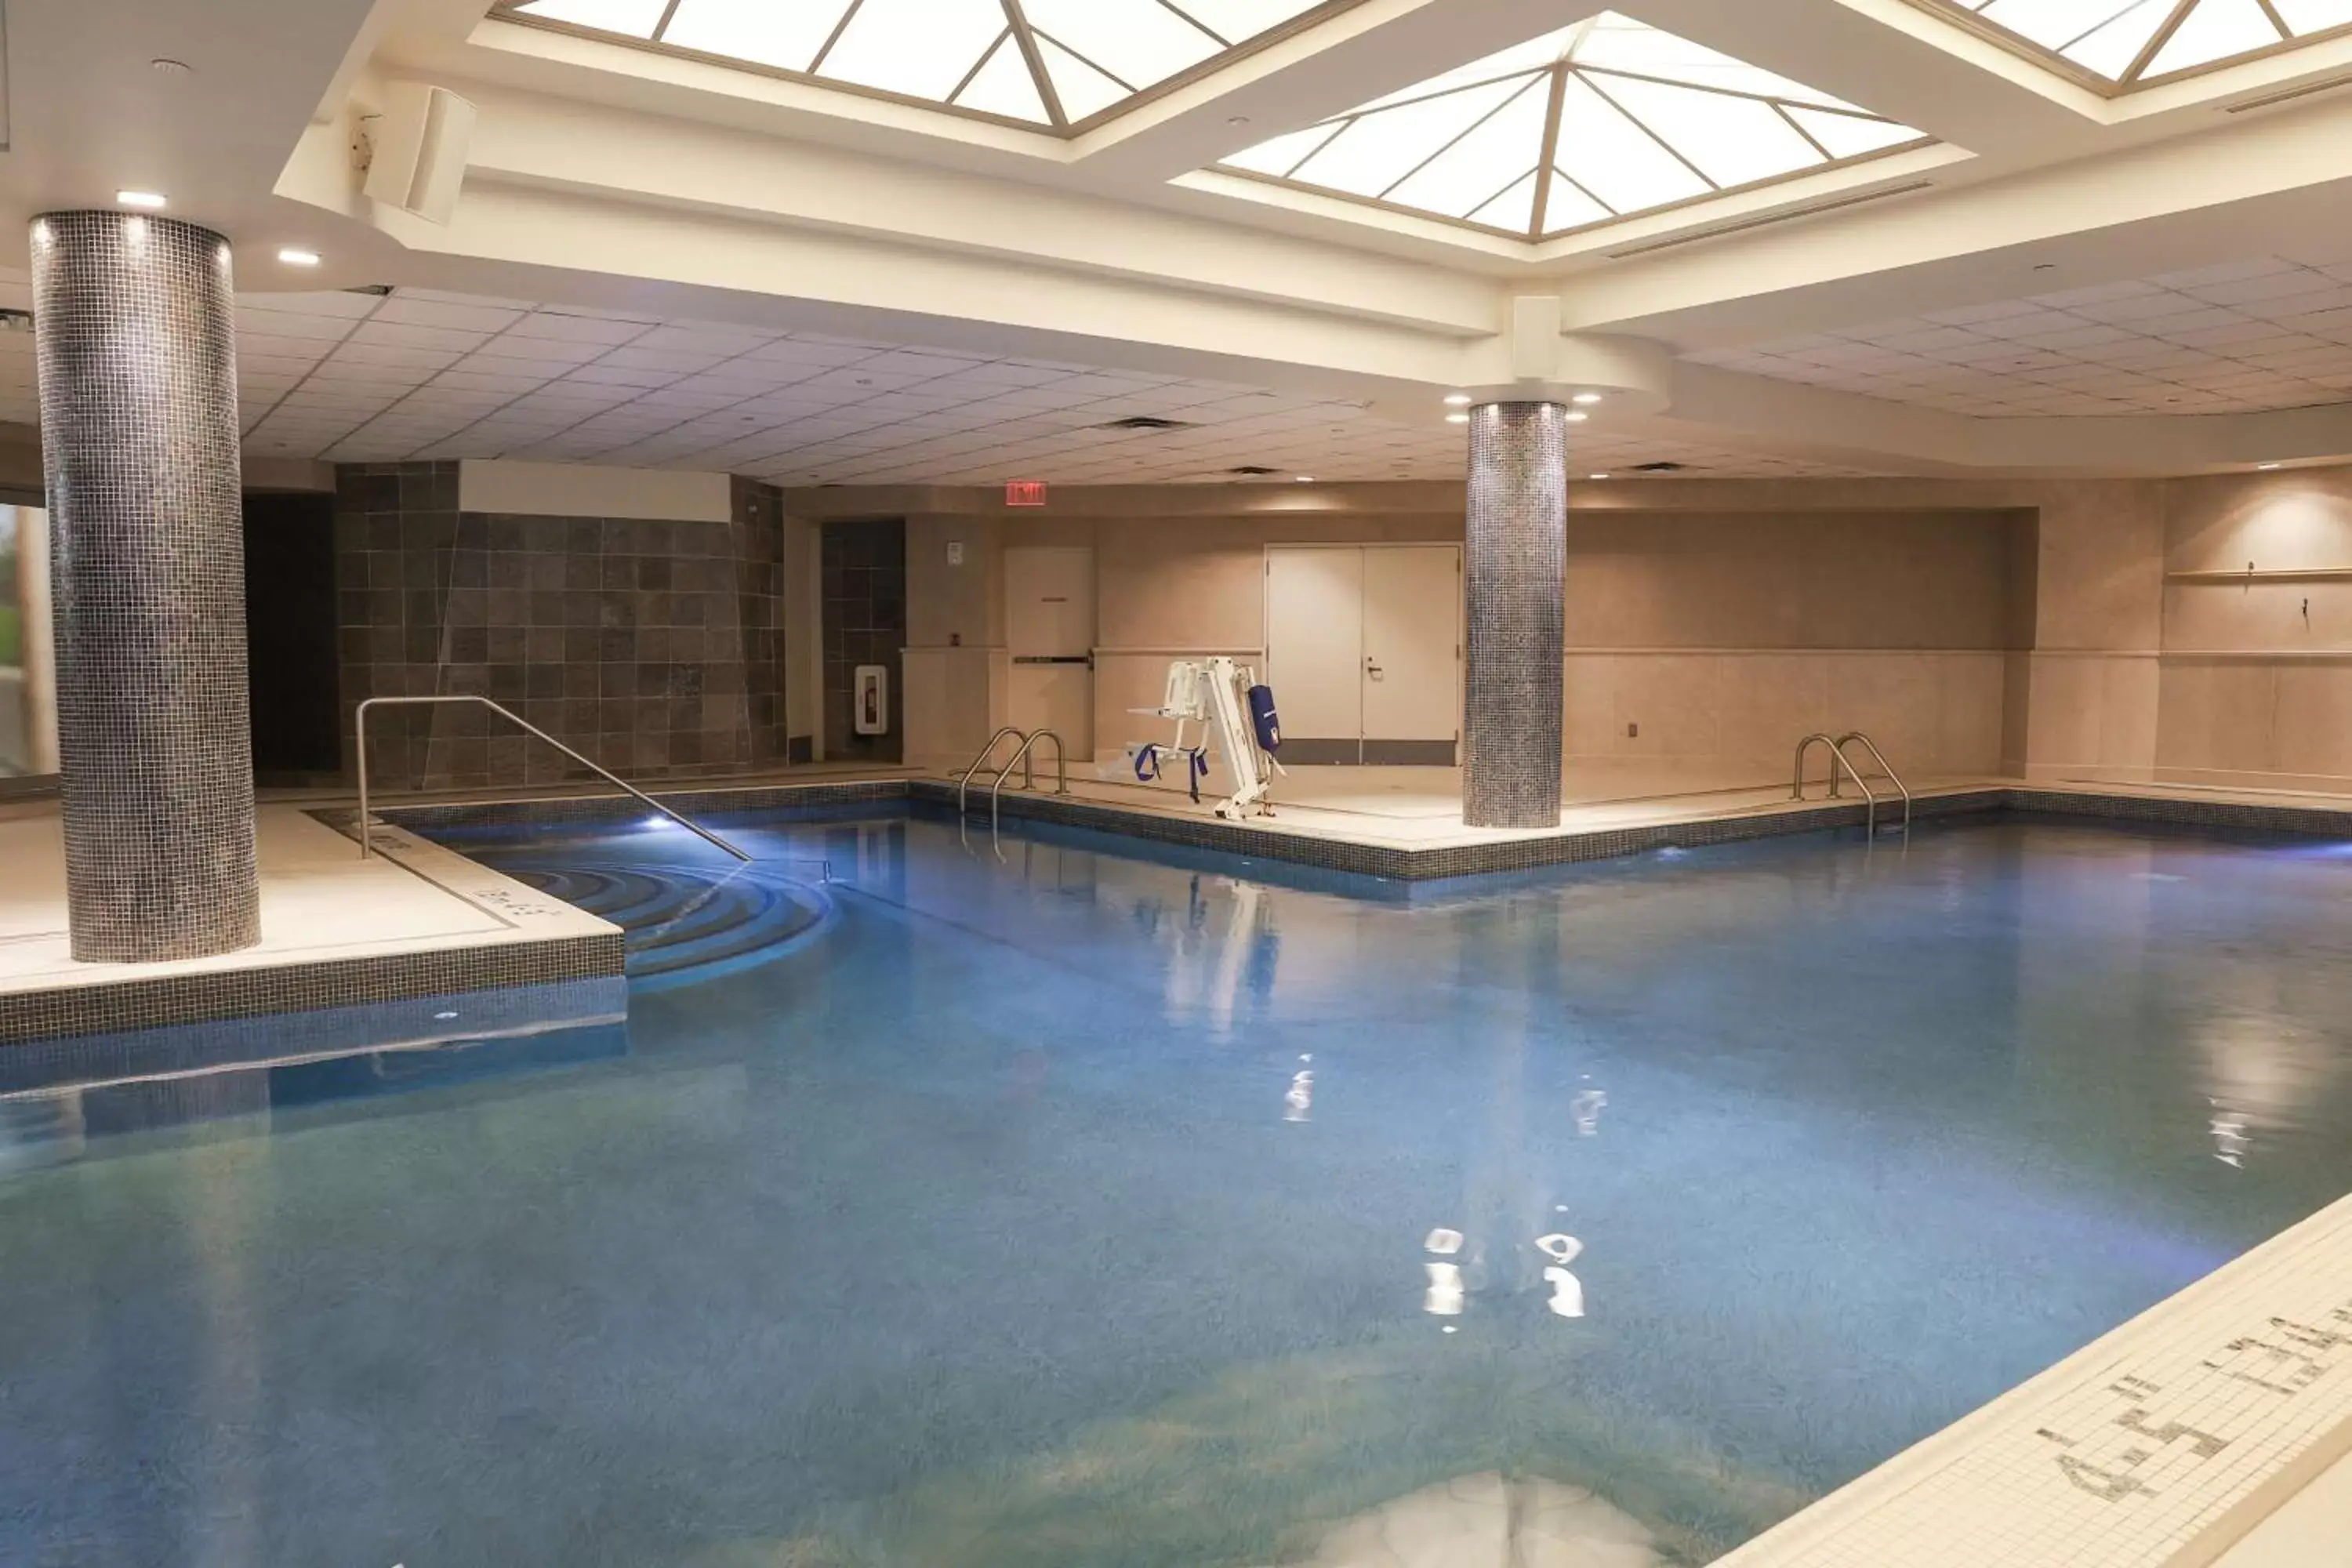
point(685, 920)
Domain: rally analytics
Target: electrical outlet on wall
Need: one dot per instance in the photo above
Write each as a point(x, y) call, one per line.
point(1632, 731)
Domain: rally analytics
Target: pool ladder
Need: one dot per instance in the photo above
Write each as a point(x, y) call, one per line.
point(1842, 767)
point(1021, 759)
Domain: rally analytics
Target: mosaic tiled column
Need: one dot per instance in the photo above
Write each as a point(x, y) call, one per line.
point(138, 435)
point(1514, 566)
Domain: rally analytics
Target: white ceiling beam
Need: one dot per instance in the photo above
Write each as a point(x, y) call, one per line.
point(2254, 186)
point(637, 164)
point(546, 244)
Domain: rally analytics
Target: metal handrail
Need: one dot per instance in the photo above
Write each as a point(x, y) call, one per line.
point(1029, 777)
point(1848, 739)
point(980, 762)
point(1840, 760)
point(366, 825)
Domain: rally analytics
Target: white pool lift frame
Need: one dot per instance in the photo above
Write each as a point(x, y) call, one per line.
point(1211, 693)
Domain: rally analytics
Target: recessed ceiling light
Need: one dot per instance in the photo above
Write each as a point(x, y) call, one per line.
point(1306, 478)
point(1457, 400)
point(1457, 419)
point(2266, 465)
point(1596, 476)
point(1576, 416)
point(295, 255)
point(150, 199)
point(1587, 398)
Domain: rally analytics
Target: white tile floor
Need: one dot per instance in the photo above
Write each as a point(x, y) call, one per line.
point(318, 901)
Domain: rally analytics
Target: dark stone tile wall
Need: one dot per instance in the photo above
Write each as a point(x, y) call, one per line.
point(655, 647)
point(289, 632)
point(864, 567)
point(1514, 565)
point(137, 348)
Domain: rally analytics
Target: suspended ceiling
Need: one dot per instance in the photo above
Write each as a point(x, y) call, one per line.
point(1841, 234)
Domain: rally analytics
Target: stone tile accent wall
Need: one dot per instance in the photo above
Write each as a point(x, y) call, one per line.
point(864, 568)
point(1514, 563)
point(655, 648)
point(136, 350)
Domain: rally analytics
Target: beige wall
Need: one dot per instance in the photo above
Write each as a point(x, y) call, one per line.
point(2090, 683)
point(2257, 670)
point(2055, 629)
point(1720, 636)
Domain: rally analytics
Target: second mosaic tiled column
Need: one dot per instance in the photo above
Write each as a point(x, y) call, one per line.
point(1514, 566)
point(135, 339)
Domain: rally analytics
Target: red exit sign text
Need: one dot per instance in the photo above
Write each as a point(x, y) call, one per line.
point(1025, 492)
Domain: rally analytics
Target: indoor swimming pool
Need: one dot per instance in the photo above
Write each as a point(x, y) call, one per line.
point(1065, 1202)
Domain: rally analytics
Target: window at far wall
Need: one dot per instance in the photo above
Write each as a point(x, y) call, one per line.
point(29, 704)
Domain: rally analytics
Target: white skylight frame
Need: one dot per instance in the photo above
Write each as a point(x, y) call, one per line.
point(1057, 66)
point(2116, 47)
point(1583, 80)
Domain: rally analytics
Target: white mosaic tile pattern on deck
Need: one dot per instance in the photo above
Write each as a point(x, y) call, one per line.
point(2197, 1415)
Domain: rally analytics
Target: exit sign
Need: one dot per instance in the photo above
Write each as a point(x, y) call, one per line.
point(1025, 492)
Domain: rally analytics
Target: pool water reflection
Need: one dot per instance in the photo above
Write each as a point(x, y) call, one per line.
point(1105, 1205)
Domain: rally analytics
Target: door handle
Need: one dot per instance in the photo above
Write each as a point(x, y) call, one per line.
point(1373, 671)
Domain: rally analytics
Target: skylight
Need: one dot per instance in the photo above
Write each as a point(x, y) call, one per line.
point(2127, 43)
point(1050, 63)
point(1597, 121)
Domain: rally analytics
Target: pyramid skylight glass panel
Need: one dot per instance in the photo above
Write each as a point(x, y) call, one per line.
point(1599, 121)
point(2126, 43)
point(1056, 64)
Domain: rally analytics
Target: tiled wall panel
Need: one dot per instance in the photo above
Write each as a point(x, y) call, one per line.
point(655, 648)
point(1514, 565)
point(864, 571)
point(139, 423)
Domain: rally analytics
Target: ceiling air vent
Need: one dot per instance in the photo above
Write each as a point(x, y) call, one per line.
point(1250, 472)
point(379, 289)
point(1788, 215)
point(2308, 90)
point(1145, 422)
point(1659, 467)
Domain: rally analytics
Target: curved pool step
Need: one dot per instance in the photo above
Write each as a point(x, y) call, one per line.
point(690, 921)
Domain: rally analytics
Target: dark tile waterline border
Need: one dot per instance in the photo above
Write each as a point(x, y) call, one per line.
point(1395, 862)
point(220, 995)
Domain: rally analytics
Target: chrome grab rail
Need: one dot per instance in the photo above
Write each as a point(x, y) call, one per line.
point(1879, 757)
point(367, 825)
point(1029, 776)
point(1838, 760)
point(1029, 780)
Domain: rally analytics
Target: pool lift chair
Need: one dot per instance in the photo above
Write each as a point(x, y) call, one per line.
point(1236, 716)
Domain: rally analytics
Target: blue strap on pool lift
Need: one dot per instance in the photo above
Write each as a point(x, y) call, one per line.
point(1147, 766)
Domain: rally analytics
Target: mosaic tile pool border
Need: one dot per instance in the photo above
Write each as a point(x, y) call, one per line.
point(407, 1023)
point(215, 995)
point(1396, 862)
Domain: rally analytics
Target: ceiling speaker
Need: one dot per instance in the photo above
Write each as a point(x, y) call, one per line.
point(420, 143)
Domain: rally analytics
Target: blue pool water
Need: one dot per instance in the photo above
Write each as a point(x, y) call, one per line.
point(1078, 1205)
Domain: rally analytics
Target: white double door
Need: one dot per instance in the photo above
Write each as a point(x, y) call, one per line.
point(1364, 651)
